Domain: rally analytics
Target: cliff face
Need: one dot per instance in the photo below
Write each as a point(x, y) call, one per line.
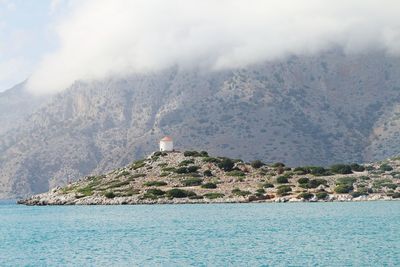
point(302, 111)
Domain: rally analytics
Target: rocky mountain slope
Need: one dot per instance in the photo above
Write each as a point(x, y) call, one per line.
point(15, 104)
point(195, 177)
point(304, 110)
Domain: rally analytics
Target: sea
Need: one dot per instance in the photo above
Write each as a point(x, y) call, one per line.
point(267, 234)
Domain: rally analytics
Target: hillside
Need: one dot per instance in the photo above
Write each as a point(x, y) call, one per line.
point(317, 110)
point(195, 177)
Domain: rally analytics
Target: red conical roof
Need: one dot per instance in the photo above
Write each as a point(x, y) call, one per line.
point(166, 138)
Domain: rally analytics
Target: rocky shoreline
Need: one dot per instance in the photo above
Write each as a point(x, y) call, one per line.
point(195, 178)
point(48, 199)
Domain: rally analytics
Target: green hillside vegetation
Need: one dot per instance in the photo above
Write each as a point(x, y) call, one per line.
point(196, 176)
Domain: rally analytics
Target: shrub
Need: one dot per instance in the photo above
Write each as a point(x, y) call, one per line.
point(211, 160)
point(268, 185)
point(85, 191)
point(357, 167)
point(159, 154)
point(207, 173)
point(282, 180)
point(155, 183)
point(341, 169)
point(179, 193)
point(385, 167)
point(155, 191)
point(302, 170)
point(239, 192)
point(305, 195)
point(226, 164)
point(260, 191)
point(396, 195)
point(192, 168)
point(209, 185)
point(195, 154)
point(109, 194)
point(236, 173)
point(343, 188)
point(181, 170)
point(186, 162)
point(163, 174)
point(346, 180)
point(314, 183)
point(284, 189)
point(192, 182)
point(256, 164)
point(123, 173)
point(278, 164)
point(319, 171)
point(303, 180)
point(321, 195)
point(213, 195)
point(138, 164)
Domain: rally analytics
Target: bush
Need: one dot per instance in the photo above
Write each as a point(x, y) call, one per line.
point(211, 160)
point(341, 169)
point(268, 185)
point(191, 154)
point(209, 186)
point(278, 164)
point(181, 170)
point(109, 194)
point(305, 195)
point(155, 183)
point(186, 162)
point(358, 193)
point(357, 168)
point(343, 188)
point(302, 170)
point(207, 173)
point(282, 180)
point(385, 167)
point(213, 195)
point(346, 180)
point(284, 189)
point(260, 191)
point(236, 173)
point(155, 191)
point(314, 183)
point(179, 193)
point(256, 164)
point(239, 192)
point(319, 171)
point(303, 180)
point(396, 195)
point(321, 195)
point(192, 168)
point(226, 164)
point(192, 182)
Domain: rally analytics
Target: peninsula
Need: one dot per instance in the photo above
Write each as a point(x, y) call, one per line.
point(169, 177)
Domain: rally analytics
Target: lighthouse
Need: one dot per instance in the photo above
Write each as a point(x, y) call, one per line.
point(166, 144)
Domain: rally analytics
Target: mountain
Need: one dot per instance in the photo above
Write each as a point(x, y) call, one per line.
point(15, 104)
point(195, 177)
point(315, 110)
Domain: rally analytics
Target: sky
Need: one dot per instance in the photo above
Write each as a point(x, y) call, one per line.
point(24, 38)
point(53, 43)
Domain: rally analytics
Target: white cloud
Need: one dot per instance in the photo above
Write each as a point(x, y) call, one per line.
point(101, 37)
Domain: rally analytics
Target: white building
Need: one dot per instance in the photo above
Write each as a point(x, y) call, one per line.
point(166, 144)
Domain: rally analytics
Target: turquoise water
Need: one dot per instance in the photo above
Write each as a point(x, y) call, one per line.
point(298, 234)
